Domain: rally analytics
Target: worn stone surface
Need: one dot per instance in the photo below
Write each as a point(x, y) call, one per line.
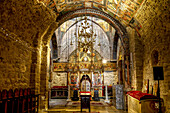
point(154, 17)
point(136, 59)
point(26, 18)
point(25, 30)
point(15, 61)
point(23, 26)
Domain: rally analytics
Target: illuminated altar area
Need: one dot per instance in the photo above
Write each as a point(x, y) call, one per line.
point(96, 76)
point(83, 53)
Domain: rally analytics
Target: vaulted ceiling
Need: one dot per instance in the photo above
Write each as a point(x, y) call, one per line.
point(65, 36)
point(121, 10)
point(117, 13)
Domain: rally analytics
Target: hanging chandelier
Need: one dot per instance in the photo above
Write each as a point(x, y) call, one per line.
point(86, 36)
point(85, 39)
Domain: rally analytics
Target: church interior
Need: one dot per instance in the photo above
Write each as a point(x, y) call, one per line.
point(96, 56)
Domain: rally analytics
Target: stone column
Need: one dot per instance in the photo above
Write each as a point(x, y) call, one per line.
point(106, 94)
point(68, 98)
point(136, 50)
point(35, 71)
point(128, 76)
point(44, 77)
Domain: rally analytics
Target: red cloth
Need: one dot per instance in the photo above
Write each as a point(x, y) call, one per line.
point(75, 89)
point(133, 92)
point(85, 92)
point(141, 96)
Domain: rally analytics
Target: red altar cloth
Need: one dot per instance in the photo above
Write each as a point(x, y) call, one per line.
point(141, 96)
point(85, 93)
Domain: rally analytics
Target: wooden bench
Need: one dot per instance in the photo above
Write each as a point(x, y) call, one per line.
point(18, 101)
point(4, 101)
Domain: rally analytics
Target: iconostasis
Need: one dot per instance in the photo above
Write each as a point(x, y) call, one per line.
point(73, 79)
point(95, 81)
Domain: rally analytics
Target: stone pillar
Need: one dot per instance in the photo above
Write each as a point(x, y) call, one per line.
point(120, 74)
point(128, 77)
point(136, 52)
point(106, 94)
point(68, 98)
point(35, 71)
point(44, 78)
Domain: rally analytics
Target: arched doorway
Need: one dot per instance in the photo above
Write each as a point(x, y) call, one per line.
point(85, 83)
point(120, 30)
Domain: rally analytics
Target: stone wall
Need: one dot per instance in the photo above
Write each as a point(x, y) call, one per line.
point(15, 61)
point(154, 18)
point(136, 59)
point(28, 19)
point(23, 27)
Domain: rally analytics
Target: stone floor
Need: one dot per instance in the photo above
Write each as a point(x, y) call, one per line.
point(67, 108)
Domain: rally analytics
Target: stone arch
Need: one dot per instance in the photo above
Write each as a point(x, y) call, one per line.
point(46, 37)
point(107, 37)
point(115, 43)
point(120, 29)
point(89, 20)
point(98, 14)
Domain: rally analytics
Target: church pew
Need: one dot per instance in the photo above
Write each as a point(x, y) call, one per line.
point(10, 102)
point(21, 101)
point(4, 101)
point(16, 101)
point(0, 100)
point(34, 102)
point(25, 101)
point(29, 100)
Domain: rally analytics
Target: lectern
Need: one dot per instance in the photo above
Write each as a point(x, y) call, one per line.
point(85, 100)
point(158, 75)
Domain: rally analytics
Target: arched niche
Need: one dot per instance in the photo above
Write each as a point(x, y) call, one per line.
point(154, 57)
point(85, 83)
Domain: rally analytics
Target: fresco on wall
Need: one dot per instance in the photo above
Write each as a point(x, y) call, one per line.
point(110, 67)
point(123, 10)
point(58, 67)
point(109, 78)
point(97, 79)
point(59, 79)
point(103, 24)
point(74, 78)
point(135, 24)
